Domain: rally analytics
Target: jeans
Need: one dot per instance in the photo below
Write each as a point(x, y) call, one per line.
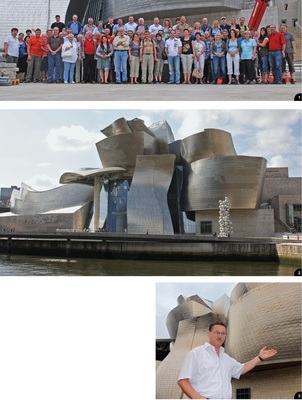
point(120, 60)
point(275, 62)
point(68, 71)
point(264, 67)
point(54, 62)
point(218, 62)
point(174, 68)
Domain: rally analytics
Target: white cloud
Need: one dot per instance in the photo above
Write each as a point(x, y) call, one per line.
point(42, 182)
point(278, 161)
point(73, 138)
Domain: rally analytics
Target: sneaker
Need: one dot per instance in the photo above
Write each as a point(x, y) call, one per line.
point(283, 81)
point(65, 82)
point(72, 82)
point(292, 81)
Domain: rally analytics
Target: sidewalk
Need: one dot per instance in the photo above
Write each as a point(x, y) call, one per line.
point(142, 92)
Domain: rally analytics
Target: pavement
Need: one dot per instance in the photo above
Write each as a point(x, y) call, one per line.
point(150, 92)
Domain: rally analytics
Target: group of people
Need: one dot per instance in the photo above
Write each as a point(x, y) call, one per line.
point(136, 53)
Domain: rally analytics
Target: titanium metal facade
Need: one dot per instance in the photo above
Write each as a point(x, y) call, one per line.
point(165, 178)
point(256, 315)
point(148, 210)
point(65, 207)
point(164, 9)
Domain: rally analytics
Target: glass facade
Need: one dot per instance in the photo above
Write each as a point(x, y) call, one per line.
point(294, 216)
point(117, 206)
point(174, 200)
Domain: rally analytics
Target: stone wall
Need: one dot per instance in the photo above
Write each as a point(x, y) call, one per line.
point(281, 383)
point(246, 223)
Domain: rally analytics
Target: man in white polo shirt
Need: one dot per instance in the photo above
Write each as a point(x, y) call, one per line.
point(11, 47)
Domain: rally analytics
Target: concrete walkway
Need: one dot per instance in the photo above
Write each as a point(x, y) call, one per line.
point(164, 92)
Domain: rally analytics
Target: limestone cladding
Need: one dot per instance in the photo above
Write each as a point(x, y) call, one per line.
point(280, 186)
point(246, 223)
point(281, 383)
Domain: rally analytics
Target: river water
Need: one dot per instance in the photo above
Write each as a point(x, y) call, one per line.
point(20, 265)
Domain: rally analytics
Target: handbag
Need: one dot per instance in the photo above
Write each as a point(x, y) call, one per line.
point(67, 53)
point(196, 73)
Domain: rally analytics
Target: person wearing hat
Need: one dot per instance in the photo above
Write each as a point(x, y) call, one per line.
point(224, 25)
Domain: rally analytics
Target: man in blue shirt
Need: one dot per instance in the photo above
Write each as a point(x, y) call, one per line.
point(75, 25)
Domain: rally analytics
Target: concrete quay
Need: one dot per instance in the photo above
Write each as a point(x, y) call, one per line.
point(148, 92)
point(151, 247)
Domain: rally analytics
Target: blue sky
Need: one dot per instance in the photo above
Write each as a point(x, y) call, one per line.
point(37, 146)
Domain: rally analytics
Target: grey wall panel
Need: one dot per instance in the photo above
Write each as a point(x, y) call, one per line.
point(209, 143)
point(147, 199)
point(207, 181)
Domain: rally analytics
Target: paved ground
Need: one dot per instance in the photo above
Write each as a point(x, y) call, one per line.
point(112, 92)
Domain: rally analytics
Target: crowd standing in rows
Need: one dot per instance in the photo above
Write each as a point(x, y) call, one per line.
point(135, 52)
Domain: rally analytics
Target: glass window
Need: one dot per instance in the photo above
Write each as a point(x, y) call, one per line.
point(243, 393)
point(206, 227)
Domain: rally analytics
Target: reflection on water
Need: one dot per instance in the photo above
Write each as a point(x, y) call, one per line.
point(18, 265)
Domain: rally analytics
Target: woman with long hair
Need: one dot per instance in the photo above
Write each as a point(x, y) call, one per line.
point(233, 58)
point(104, 52)
point(199, 48)
point(215, 28)
point(167, 24)
point(263, 54)
point(187, 55)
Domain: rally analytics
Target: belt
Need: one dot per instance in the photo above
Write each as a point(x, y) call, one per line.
point(275, 50)
point(148, 54)
point(121, 50)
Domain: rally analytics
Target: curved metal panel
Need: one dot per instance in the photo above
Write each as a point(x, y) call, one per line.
point(122, 150)
point(87, 176)
point(240, 178)
point(166, 8)
point(148, 210)
point(267, 315)
point(209, 143)
point(121, 126)
point(30, 202)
